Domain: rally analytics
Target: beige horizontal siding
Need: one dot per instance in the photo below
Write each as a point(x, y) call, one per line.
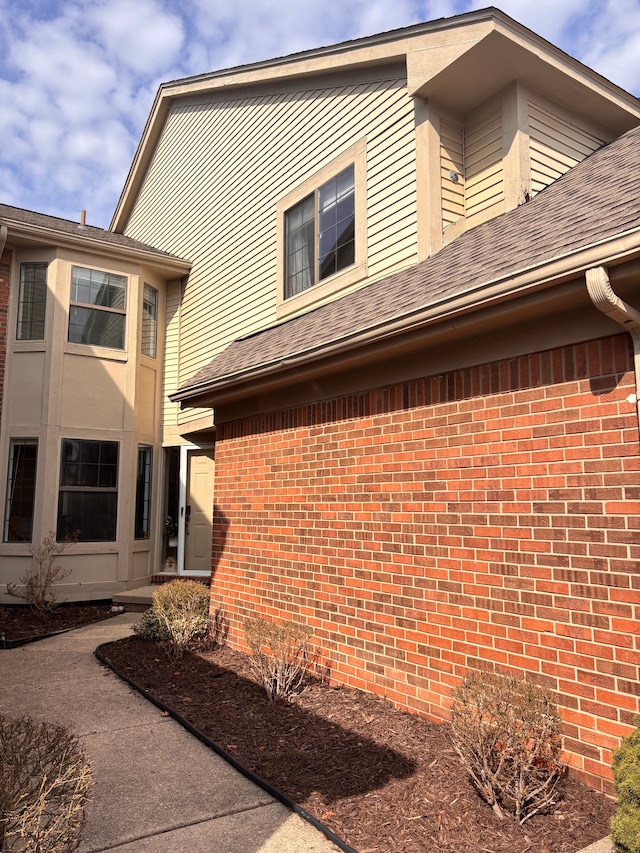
point(556, 143)
point(483, 163)
point(170, 375)
point(210, 195)
point(451, 158)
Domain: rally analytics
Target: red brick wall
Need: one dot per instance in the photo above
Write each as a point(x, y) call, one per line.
point(5, 278)
point(486, 517)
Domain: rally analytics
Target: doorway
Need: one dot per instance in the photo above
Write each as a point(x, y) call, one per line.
point(189, 492)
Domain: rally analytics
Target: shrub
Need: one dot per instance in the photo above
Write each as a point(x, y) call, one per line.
point(625, 824)
point(507, 734)
point(45, 784)
point(279, 655)
point(150, 627)
point(182, 608)
point(37, 586)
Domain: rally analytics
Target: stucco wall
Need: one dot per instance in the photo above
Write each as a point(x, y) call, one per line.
point(482, 518)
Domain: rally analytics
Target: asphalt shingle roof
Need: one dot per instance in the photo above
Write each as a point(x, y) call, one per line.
point(595, 201)
point(18, 215)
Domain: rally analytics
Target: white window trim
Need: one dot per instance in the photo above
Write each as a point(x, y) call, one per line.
point(356, 155)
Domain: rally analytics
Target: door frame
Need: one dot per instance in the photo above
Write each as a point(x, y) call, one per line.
point(185, 449)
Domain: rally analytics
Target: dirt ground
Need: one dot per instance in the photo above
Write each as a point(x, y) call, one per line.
point(19, 621)
point(383, 780)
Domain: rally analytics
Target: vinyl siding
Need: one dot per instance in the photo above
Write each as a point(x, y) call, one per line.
point(220, 167)
point(556, 145)
point(483, 162)
point(451, 158)
point(170, 374)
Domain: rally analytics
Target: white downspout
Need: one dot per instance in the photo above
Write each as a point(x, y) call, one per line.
point(4, 233)
point(605, 300)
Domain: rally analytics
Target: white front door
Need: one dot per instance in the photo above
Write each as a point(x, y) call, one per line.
point(197, 512)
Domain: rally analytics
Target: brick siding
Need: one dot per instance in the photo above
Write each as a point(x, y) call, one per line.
point(483, 518)
point(5, 280)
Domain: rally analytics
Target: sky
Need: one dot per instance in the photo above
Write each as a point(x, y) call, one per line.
point(78, 77)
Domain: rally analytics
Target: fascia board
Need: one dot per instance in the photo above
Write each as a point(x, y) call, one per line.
point(545, 275)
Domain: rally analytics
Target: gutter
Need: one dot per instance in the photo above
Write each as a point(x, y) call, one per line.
point(538, 277)
point(609, 303)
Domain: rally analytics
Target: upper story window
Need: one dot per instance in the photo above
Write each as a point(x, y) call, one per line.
point(97, 311)
point(32, 299)
point(320, 234)
point(149, 339)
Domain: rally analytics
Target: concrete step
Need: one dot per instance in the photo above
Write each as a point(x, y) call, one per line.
point(141, 598)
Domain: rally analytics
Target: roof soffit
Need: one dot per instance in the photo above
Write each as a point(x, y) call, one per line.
point(487, 65)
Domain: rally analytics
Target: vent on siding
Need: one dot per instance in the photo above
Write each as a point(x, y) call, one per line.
point(555, 146)
point(483, 161)
point(451, 163)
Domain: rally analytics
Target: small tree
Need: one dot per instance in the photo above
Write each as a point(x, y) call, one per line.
point(37, 584)
point(507, 734)
point(45, 784)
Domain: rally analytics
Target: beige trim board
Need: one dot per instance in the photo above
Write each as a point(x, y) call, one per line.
point(319, 292)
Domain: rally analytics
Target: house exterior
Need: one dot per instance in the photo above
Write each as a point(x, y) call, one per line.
point(407, 336)
point(81, 381)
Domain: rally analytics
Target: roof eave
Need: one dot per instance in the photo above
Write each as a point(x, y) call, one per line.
point(244, 384)
point(51, 236)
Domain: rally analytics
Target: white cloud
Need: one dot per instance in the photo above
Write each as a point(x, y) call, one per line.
point(142, 36)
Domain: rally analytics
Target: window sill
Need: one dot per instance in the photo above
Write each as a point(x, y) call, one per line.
point(29, 346)
point(318, 292)
point(105, 353)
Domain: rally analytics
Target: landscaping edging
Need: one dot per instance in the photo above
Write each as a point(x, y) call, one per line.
point(249, 774)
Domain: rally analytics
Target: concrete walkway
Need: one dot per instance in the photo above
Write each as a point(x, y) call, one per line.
point(158, 789)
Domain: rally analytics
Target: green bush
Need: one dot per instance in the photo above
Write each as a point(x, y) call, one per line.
point(279, 655)
point(182, 608)
point(507, 734)
point(150, 627)
point(625, 825)
point(45, 784)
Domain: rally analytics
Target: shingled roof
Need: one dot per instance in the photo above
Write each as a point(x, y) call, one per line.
point(17, 216)
point(594, 202)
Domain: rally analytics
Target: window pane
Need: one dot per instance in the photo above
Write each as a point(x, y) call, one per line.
point(299, 240)
point(98, 328)
point(88, 468)
point(149, 321)
point(336, 232)
point(143, 494)
point(92, 464)
point(31, 302)
point(94, 287)
point(21, 489)
point(93, 513)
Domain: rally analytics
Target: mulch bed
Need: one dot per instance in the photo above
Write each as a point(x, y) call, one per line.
point(380, 778)
point(20, 621)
